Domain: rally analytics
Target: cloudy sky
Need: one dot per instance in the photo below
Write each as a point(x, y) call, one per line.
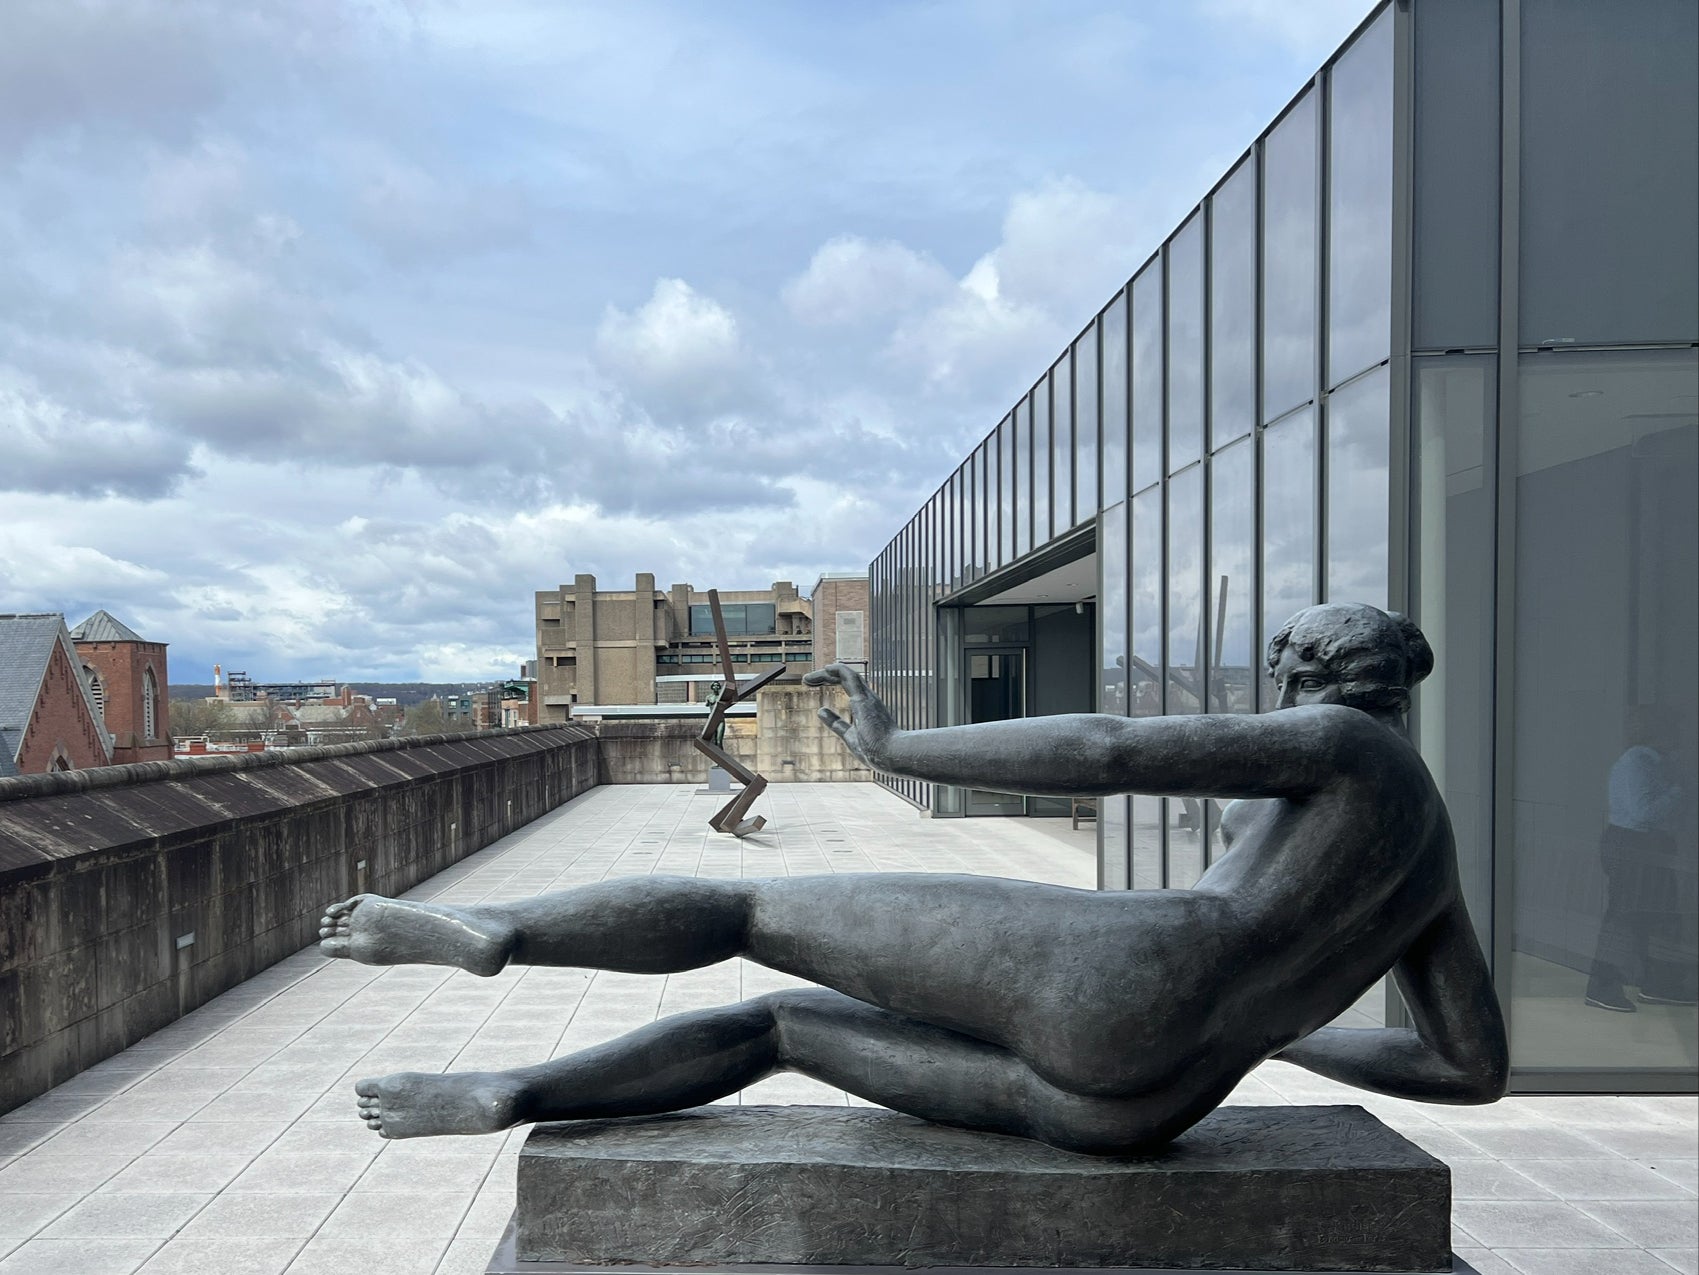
point(330, 331)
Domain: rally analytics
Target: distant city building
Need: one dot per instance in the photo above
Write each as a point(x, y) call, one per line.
point(610, 647)
point(130, 685)
point(49, 716)
point(239, 688)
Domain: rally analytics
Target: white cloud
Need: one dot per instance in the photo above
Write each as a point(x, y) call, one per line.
point(678, 353)
point(852, 280)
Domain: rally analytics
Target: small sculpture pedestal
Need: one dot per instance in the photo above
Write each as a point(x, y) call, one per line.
point(1249, 1189)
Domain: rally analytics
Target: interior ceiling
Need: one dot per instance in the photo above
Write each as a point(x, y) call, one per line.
point(1070, 582)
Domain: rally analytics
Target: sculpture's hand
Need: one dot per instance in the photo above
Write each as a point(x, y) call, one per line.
point(871, 729)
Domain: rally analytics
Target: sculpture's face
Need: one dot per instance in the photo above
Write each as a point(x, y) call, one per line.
point(1300, 681)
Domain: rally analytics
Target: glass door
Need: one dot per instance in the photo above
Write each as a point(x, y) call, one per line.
point(996, 692)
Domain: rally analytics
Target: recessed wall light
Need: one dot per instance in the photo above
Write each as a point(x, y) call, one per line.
point(1587, 394)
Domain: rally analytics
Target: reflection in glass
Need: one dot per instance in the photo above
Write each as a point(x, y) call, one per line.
point(1062, 441)
point(1232, 306)
point(1454, 607)
point(1022, 502)
point(1289, 261)
point(1185, 591)
point(1359, 205)
point(1041, 462)
point(1147, 843)
point(1006, 491)
point(1147, 376)
point(1185, 344)
point(1082, 362)
point(1357, 491)
point(1113, 812)
point(1232, 663)
point(1606, 704)
point(1113, 327)
point(1112, 609)
point(1288, 526)
point(1144, 603)
point(1185, 643)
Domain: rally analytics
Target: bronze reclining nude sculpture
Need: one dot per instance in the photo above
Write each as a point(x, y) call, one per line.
point(1098, 1022)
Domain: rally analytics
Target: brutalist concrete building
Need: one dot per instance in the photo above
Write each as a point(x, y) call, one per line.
point(1429, 344)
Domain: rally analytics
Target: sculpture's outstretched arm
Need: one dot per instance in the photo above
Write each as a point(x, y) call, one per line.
point(1295, 753)
point(1457, 1051)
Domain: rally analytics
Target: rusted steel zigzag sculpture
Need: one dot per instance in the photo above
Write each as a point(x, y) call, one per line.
point(730, 817)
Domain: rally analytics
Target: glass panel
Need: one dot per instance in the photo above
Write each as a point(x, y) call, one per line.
point(1112, 547)
point(1144, 599)
point(1115, 867)
point(1455, 183)
point(1357, 491)
point(1041, 460)
point(985, 508)
point(1289, 261)
point(1147, 376)
point(1087, 453)
point(1185, 647)
point(1062, 442)
point(1185, 344)
point(1185, 591)
point(1359, 204)
point(1006, 491)
point(1610, 172)
point(1232, 686)
point(1288, 526)
point(1112, 609)
point(1021, 504)
point(1454, 580)
point(993, 625)
point(1146, 837)
point(1114, 355)
point(1606, 705)
point(1232, 307)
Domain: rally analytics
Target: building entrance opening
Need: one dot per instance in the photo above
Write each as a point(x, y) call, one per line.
point(1025, 661)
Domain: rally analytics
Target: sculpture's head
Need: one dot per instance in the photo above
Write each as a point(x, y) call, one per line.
point(1348, 653)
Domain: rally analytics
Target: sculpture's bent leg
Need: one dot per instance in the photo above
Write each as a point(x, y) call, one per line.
point(699, 1057)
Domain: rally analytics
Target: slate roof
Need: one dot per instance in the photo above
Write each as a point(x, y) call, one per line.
point(103, 626)
point(26, 643)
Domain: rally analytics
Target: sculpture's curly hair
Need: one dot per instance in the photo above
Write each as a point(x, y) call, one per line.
point(1377, 655)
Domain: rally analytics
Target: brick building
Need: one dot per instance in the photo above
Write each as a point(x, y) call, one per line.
point(840, 619)
point(129, 683)
point(49, 716)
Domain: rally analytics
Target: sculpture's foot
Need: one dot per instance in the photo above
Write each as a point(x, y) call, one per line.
point(377, 931)
point(411, 1104)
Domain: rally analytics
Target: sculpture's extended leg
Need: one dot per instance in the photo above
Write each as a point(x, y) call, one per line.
point(640, 925)
point(696, 1058)
point(989, 958)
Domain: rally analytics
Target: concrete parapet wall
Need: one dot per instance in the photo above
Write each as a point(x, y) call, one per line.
point(785, 741)
point(105, 873)
point(793, 743)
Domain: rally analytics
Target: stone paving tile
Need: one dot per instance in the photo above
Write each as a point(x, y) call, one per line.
point(237, 1123)
point(83, 1256)
point(222, 1255)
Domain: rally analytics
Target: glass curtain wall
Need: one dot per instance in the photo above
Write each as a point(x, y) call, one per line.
point(1192, 422)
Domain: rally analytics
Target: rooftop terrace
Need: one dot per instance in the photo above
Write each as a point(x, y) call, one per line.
point(228, 1141)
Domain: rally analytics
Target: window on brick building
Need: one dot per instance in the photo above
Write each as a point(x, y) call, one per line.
point(150, 705)
point(98, 690)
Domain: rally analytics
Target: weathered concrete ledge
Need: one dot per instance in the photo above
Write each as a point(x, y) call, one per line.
point(1250, 1188)
point(130, 895)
